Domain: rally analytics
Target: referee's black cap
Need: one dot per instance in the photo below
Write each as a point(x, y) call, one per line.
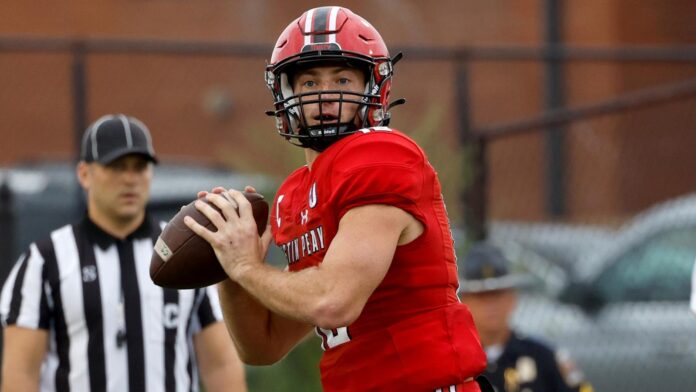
point(115, 135)
point(485, 269)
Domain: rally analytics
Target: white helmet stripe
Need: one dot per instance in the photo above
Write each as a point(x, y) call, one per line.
point(332, 23)
point(308, 27)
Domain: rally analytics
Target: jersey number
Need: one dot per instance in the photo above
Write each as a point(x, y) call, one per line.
point(333, 337)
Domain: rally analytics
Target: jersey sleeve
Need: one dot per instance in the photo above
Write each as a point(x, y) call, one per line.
point(24, 301)
point(207, 310)
point(378, 169)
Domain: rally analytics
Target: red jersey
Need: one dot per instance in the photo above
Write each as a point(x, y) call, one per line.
point(413, 333)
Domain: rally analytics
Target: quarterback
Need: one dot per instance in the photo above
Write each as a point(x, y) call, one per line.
point(371, 265)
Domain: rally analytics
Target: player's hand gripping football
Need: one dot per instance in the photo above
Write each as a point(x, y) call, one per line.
point(236, 242)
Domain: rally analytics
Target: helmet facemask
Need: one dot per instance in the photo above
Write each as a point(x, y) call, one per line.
point(290, 116)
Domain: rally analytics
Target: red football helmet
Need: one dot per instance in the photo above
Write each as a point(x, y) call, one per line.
point(328, 35)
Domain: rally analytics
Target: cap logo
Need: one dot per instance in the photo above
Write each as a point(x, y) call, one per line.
point(487, 271)
point(321, 46)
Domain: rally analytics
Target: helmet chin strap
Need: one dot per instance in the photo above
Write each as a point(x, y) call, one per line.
point(319, 137)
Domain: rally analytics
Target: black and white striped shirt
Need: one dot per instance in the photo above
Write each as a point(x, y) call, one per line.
point(111, 328)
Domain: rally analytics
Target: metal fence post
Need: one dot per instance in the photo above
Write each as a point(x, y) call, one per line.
point(555, 135)
point(474, 203)
point(6, 228)
point(79, 93)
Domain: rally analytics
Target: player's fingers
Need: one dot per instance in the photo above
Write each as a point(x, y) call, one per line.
point(266, 237)
point(210, 212)
point(198, 229)
point(201, 194)
point(249, 188)
point(218, 189)
point(242, 202)
point(265, 241)
point(227, 207)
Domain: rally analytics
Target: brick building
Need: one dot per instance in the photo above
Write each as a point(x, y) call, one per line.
point(207, 105)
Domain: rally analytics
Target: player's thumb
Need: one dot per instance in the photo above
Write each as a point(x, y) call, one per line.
point(266, 237)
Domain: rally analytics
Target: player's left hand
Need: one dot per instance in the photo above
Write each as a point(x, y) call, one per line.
point(236, 242)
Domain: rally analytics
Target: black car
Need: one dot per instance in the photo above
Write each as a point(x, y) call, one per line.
point(623, 309)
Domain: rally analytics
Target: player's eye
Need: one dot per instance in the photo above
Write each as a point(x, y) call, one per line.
point(309, 84)
point(343, 81)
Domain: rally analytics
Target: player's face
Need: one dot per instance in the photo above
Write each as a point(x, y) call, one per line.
point(326, 78)
point(119, 190)
point(491, 310)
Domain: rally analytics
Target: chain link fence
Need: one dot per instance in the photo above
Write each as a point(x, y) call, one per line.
point(605, 221)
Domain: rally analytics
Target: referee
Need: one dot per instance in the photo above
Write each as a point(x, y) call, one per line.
point(79, 310)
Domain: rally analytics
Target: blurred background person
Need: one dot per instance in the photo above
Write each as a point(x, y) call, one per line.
point(693, 289)
point(79, 310)
point(515, 362)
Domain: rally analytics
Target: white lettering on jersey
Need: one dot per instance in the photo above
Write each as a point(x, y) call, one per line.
point(304, 217)
point(171, 316)
point(333, 337)
point(320, 234)
point(89, 273)
point(375, 129)
point(280, 198)
point(306, 244)
point(292, 250)
point(313, 196)
point(315, 245)
point(303, 241)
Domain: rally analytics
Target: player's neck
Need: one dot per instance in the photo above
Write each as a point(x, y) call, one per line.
point(118, 228)
point(310, 156)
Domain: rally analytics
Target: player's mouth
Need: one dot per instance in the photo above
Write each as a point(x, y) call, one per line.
point(326, 119)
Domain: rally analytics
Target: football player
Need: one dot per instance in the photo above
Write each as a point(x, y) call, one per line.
point(371, 264)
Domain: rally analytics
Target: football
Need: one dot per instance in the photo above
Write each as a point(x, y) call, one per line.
point(184, 260)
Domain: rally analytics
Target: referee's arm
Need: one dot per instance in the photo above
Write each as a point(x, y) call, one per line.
point(24, 350)
point(24, 314)
point(219, 364)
